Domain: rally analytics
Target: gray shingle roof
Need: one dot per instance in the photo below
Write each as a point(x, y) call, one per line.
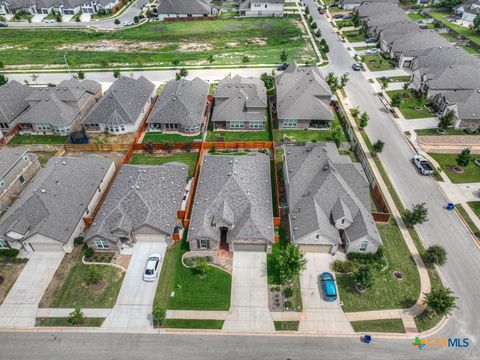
point(181, 102)
point(67, 90)
point(323, 186)
point(55, 200)
point(13, 100)
point(302, 93)
point(371, 9)
point(183, 7)
point(455, 77)
point(467, 101)
point(240, 98)
point(234, 189)
point(141, 196)
point(122, 103)
point(416, 42)
point(9, 156)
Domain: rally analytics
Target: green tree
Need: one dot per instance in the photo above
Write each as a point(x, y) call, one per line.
point(396, 100)
point(324, 46)
point(210, 58)
point(116, 73)
point(377, 147)
point(364, 277)
point(417, 215)
point(76, 317)
point(291, 262)
point(364, 120)
point(446, 120)
point(245, 59)
point(116, 22)
point(436, 254)
point(81, 75)
point(406, 84)
point(384, 83)
point(201, 267)
point(356, 20)
point(441, 301)
point(268, 80)
point(332, 81)
point(3, 79)
point(283, 56)
point(463, 159)
point(159, 314)
point(343, 80)
point(337, 134)
point(476, 23)
point(94, 275)
point(2, 64)
point(175, 62)
point(136, 19)
point(181, 74)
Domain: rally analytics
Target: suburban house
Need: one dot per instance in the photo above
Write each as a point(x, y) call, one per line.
point(258, 8)
point(468, 10)
point(58, 109)
point(66, 7)
point(303, 99)
point(464, 103)
point(141, 205)
point(181, 107)
point(351, 4)
point(232, 209)
point(17, 168)
point(329, 200)
point(122, 107)
point(240, 104)
point(183, 9)
point(49, 213)
point(13, 101)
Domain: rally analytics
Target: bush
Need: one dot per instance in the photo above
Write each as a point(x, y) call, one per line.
point(288, 292)
point(94, 275)
point(202, 267)
point(364, 276)
point(9, 253)
point(355, 112)
point(78, 240)
point(76, 317)
point(344, 267)
point(88, 252)
point(436, 254)
point(159, 315)
point(472, 129)
point(288, 304)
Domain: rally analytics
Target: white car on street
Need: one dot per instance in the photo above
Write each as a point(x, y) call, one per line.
point(127, 23)
point(48, 21)
point(152, 268)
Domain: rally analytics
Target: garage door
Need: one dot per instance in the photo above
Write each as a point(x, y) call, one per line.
point(316, 248)
point(150, 238)
point(249, 247)
point(46, 246)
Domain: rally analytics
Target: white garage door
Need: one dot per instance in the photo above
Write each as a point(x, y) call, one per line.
point(150, 238)
point(47, 246)
point(316, 248)
point(249, 247)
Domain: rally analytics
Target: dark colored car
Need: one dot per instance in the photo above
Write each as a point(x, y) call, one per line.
point(282, 67)
point(328, 286)
point(338, 16)
point(348, 16)
point(357, 67)
point(3, 25)
point(371, 40)
point(321, 10)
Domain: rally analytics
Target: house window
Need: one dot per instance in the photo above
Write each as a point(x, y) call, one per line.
point(204, 244)
point(255, 124)
point(115, 128)
point(2, 183)
point(363, 246)
point(22, 179)
point(43, 126)
point(101, 244)
point(3, 244)
point(289, 123)
point(236, 124)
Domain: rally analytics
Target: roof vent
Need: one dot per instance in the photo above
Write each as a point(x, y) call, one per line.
point(295, 228)
point(43, 191)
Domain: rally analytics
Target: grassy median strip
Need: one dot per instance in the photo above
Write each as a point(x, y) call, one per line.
point(286, 325)
point(382, 326)
point(194, 324)
point(62, 321)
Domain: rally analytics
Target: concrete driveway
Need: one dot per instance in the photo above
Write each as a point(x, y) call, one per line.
point(19, 308)
point(320, 316)
point(133, 309)
point(249, 303)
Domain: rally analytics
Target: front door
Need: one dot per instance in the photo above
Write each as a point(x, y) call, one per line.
point(223, 238)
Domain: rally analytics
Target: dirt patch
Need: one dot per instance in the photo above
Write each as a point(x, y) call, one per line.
point(195, 47)
point(258, 41)
point(104, 138)
point(231, 44)
point(98, 285)
point(9, 273)
point(114, 45)
point(10, 47)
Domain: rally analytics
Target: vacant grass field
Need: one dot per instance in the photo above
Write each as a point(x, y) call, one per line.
point(466, 32)
point(189, 159)
point(375, 62)
point(159, 137)
point(58, 321)
point(228, 40)
point(387, 292)
point(384, 326)
point(38, 139)
point(193, 324)
point(411, 107)
point(447, 161)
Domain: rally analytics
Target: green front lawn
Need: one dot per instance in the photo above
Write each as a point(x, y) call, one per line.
point(469, 50)
point(449, 37)
point(471, 172)
point(466, 32)
point(382, 326)
point(354, 36)
point(189, 159)
point(159, 43)
point(434, 132)
point(366, 47)
point(416, 16)
point(286, 325)
point(387, 292)
point(411, 106)
point(475, 206)
point(194, 324)
point(375, 62)
point(190, 291)
point(157, 137)
point(62, 322)
point(38, 139)
point(396, 79)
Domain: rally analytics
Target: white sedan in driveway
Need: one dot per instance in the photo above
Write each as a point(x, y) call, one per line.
point(373, 51)
point(152, 267)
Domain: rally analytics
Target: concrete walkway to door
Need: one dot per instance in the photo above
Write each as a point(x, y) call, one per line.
point(133, 309)
point(249, 304)
point(19, 308)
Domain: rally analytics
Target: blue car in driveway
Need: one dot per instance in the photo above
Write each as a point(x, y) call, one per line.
point(328, 286)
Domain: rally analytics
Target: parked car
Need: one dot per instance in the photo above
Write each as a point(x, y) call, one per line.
point(152, 267)
point(3, 25)
point(128, 23)
point(371, 40)
point(422, 165)
point(347, 16)
point(48, 21)
point(328, 286)
point(282, 67)
point(373, 51)
point(321, 10)
point(357, 67)
point(338, 16)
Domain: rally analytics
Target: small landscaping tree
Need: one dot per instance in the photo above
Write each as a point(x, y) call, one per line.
point(78, 240)
point(116, 74)
point(436, 254)
point(167, 146)
point(210, 58)
point(318, 33)
point(396, 100)
point(337, 133)
point(343, 80)
point(313, 25)
point(446, 120)
point(384, 83)
point(2, 64)
point(324, 46)
point(202, 267)
point(268, 80)
point(463, 159)
point(364, 277)
point(3, 79)
point(181, 74)
point(291, 262)
point(417, 215)
point(307, 10)
point(245, 59)
point(364, 120)
point(332, 81)
point(159, 314)
point(356, 20)
point(76, 317)
point(283, 56)
point(88, 252)
point(94, 275)
point(476, 23)
point(81, 75)
point(377, 147)
point(136, 19)
point(116, 22)
point(441, 301)
point(175, 62)
point(406, 84)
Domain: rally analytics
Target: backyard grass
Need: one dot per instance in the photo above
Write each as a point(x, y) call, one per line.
point(387, 292)
point(157, 137)
point(354, 36)
point(286, 325)
point(416, 16)
point(193, 324)
point(465, 32)
point(254, 135)
point(159, 43)
point(411, 107)
point(38, 139)
point(375, 62)
point(447, 161)
point(383, 326)
point(189, 159)
point(190, 291)
point(62, 321)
